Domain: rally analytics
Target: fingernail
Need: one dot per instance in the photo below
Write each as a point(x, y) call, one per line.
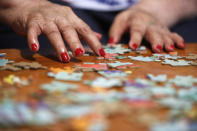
point(102, 52)
point(172, 47)
point(135, 46)
point(159, 47)
point(111, 40)
point(34, 47)
point(78, 52)
point(65, 57)
point(182, 45)
point(98, 35)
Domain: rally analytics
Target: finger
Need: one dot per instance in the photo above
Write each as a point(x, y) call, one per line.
point(137, 32)
point(32, 36)
point(117, 29)
point(155, 39)
point(168, 42)
point(178, 40)
point(72, 38)
point(98, 35)
point(54, 36)
point(90, 38)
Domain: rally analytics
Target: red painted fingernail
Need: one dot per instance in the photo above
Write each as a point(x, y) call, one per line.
point(102, 52)
point(78, 52)
point(65, 57)
point(111, 40)
point(98, 35)
point(34, 47)
point(182, 44)
point(172, 47)
point(159, 47)
point(134, 46)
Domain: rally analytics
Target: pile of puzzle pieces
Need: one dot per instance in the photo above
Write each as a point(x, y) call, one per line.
point(111, 93)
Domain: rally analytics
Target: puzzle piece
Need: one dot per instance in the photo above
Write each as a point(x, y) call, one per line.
point(112, 74)
point(91, 67)
point(117, 49)
point(176, 63)
point(118, 63)
point(65, 69)
point(2, 54)
point(185, 81)
point(191, 57)
point(194, 63)
point(106, 83)
point(3, 62)
point(141, 58)
point(29, 65)
point(66, 76)
point(120, 57)
point(10, 68)
point(158, 78)
point(58, 86)
point(166, 56)
point(23, 65)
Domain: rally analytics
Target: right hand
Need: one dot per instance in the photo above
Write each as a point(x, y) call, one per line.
point(34, 17)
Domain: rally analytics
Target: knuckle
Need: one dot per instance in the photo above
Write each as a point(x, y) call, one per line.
point(51, 32)
point(66, 28)
point(49, 29)
point(137, 30)
point(84, 30)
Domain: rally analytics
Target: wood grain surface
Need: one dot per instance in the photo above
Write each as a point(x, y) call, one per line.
point(48, 58)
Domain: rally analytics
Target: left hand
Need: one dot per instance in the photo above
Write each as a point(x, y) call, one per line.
point(142, 24)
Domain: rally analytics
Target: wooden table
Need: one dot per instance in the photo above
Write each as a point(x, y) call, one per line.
point(117, 123)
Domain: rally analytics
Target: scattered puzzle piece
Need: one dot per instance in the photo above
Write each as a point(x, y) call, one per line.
point(112, 74)
point(186, 81)
point(118, 63)
point(23, 65)
point(141, 58)
point(106, 83)
point(176, 63)
point(191, 57)
point(3, 62)
point(159, 78)
point(58, 86)
point(91, 67)
point(66, 76)
point(118, 49)
point(2, 54)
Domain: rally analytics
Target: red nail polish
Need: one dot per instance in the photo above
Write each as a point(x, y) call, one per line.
point(98, 35)
point(182, 44)
point(111, 40)
point(78, 52)
point(135, 46)
point(172, 47)
point(34, 47)
point(65, 57)
point(159, 47)
point(102, 52)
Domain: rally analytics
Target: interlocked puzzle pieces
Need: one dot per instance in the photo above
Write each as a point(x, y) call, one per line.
point(23, 65)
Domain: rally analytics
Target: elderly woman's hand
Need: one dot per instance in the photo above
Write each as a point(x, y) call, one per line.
point(142, 24)
point(34, 17)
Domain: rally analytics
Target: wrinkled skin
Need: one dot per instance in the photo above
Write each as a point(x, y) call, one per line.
point(142, 24)
point(57, 22)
